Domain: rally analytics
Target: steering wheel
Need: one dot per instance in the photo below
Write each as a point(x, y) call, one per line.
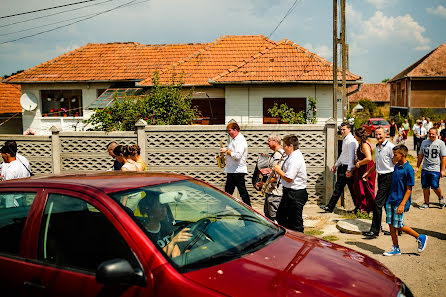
point(196, 229)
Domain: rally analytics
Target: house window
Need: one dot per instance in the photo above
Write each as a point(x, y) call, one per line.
point(106, 98)
point(61, 103)
point(212, 110)
point(298, 104)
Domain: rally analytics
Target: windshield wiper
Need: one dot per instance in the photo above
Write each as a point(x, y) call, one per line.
point(214, 259)
point(261, 242)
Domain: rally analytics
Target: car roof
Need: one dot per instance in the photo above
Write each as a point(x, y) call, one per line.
point(108, 182)
point(374, 119)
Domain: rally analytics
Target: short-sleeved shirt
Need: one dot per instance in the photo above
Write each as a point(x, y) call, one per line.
point(13, 170)
point(403, 176)
point(384, 157)
point(432, 152)
point(164, 235)
point(236, 162)
point(295, 169)
point(278, 157)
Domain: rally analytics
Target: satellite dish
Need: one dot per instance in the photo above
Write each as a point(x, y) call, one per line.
point(28, 102)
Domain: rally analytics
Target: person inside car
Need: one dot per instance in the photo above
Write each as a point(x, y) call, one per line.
point(159, 225)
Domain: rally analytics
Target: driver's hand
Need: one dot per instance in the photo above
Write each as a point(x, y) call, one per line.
point(182, 236)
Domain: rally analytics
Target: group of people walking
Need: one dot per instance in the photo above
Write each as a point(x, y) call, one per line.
point(396, 177)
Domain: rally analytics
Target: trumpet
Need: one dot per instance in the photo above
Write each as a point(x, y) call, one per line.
point(269, 181)
point(221, 159)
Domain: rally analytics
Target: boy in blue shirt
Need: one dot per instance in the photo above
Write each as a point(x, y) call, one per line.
point(399, 200)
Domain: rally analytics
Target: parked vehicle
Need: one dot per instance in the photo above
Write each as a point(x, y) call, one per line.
point(374, 123)
point(93, 235)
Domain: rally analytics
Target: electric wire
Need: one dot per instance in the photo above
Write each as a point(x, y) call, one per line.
point(43, 9)
point(293, 6)
point(78, 21)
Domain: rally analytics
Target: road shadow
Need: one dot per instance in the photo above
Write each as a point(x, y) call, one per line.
point(365, 246)
point(431, 205)
point(430, 233)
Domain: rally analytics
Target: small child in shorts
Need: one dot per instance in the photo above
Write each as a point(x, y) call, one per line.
point(399, 200)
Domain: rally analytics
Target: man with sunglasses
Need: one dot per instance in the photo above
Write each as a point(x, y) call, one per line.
point(12, 168)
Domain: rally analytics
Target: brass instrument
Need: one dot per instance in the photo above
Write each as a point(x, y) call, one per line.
point(268, 184)
point(221, 158)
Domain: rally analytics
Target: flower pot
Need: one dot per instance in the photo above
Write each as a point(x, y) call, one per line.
point(65, 115)
point(45, 115)
point(270, 120)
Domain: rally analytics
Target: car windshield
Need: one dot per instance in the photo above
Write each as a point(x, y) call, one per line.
point(380, 123)
point(195, 225)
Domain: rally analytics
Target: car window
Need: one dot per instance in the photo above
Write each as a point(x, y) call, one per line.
point(14, 208)
point(380, 123)
point(75, 234)
point(221, 229)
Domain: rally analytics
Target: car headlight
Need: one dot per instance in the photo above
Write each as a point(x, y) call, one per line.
point(404, 291)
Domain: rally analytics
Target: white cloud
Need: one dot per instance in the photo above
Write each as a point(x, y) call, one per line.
point(321, 50)
point(439, 11)
point(385, 30)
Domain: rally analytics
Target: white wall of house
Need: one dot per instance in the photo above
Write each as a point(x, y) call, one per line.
point(35, 121)
point(244, 104)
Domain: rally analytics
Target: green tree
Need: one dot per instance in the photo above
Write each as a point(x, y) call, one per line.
point(162, 105)
point(385, 80)
point(369, 106)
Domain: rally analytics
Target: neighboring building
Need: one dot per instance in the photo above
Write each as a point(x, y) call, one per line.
point(377, 93)
point(10, 109)
point(234, 77)
point(421, 85)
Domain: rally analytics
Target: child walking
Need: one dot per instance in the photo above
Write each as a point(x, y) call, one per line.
point(399, 200)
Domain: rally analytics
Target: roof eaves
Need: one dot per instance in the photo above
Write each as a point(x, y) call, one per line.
point(256, 82)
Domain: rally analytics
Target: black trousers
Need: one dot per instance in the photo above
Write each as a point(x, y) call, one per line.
point(419, 141)
point(237, 180)
point(289, 213)
point(341, 181)
point(384, 185)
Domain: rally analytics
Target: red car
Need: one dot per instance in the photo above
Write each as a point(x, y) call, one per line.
point(374, 123)
point(153, 234)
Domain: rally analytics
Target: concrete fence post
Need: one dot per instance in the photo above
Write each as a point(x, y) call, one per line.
point(141, 138)
point(330, 157)
point(55, 149)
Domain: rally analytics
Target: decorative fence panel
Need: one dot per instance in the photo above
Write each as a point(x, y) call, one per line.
point(189, 150)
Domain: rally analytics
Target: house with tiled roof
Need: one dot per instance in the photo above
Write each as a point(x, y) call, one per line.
point(10, 109)
point(377, 93)
point(233, 77)
point(421, 85)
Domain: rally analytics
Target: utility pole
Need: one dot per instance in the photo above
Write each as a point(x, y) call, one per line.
point(344, 59)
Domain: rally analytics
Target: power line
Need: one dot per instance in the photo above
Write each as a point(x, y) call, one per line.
point(48, 15)
point(285, 16)
point(86, 18)
point(43, 9)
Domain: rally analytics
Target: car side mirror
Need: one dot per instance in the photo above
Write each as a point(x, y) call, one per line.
point(117, 271)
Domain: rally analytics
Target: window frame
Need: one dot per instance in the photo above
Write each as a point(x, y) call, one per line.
point(59, 111)
point(99, 206)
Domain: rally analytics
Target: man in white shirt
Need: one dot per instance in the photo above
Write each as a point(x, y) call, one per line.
point(420, 133)
point(12, 168)
point(384, 167)
point(343, 166)
point(236, 169)
point(294, 182)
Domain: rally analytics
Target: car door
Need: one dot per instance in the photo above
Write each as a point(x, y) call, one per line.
point(75, 236)
point(16, 208)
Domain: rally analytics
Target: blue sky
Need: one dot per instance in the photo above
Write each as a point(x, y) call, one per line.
point(384, 36)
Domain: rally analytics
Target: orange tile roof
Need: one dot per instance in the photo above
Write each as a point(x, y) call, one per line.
point(108, 61)
point(224, 53)
point(375, 92)
point(282, 62)
point(432, 64)
point(230, 58)
point(10, 98)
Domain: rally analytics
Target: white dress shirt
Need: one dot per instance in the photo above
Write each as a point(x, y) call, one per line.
point(348, 153)
point(236, 162)
point(418, 131)
point(13, 170)
point(295, 169)
point(384, 157)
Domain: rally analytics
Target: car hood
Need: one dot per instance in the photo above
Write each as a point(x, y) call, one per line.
point(299, 265)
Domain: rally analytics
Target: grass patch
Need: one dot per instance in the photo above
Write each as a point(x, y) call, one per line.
point(348, 216)
point(330, 238)
point(363, 215)
point(314, 232)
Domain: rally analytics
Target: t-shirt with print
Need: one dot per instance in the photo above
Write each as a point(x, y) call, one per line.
point(164, 235)
point(403, 176)
point(432, 152)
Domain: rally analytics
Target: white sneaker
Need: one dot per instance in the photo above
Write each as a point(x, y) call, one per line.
point(424, 205)
point(442, 203)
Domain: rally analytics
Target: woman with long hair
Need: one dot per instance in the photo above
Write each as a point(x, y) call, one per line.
point(363, 188)
point(135, 155)
point(123, 153)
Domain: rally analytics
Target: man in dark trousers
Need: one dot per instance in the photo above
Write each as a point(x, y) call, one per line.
point(344, 166)
point(384, 167)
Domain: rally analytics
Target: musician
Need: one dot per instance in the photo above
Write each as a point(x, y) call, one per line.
point(294, 181)
point(273, 193)
point(236, 169)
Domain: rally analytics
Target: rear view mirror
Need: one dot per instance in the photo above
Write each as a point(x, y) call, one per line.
point(118, 271)
point(174, 196)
